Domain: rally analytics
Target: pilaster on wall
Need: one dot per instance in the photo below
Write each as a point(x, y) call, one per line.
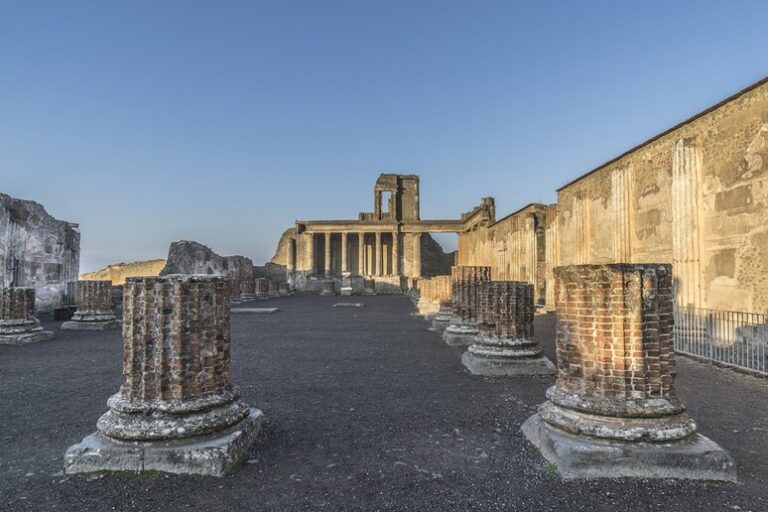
point(686, 238)
point(581, 219)
point(623, 213)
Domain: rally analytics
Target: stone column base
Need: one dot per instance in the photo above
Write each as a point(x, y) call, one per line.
point(98, 325)
point(693, 458)
point(460, 334)
point(492, 366)
point(212, 455)
point(25, 338)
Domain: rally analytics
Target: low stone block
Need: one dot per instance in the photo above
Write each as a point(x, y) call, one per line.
point(695, 457)
point(212, 455)
point(495, 367)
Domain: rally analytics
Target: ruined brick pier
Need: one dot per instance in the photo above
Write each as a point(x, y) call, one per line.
point(248, 290)
point(18, 324)
point(462, 328)
point(505, 344)
point(94, 307)
point(178, 411)
point(613, 411)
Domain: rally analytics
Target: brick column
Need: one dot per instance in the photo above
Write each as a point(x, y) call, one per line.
point(262, 287)
point(177, 400)
point(505, 344)
point(443, 316)
point(377, 255)
point(18, 324)
point(273, 288)
point(463, 326)
point(248, 289)
point(369, 287)
point(613, 410)
point(94, 307)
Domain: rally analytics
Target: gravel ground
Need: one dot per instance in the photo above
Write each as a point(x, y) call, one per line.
point(366, 410)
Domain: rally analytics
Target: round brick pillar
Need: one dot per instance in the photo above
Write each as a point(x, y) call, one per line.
point(177, 411)
point(94, 307)
point(505, 343)
point(464, 302)
point(262, 287)
point(176, 361)
point(248, 289)
point(613, 411)
point(615, 354)
point(18, 324)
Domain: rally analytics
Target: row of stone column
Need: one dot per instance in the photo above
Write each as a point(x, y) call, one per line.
point(95, 308)
point(378, 256)
point(613, 410)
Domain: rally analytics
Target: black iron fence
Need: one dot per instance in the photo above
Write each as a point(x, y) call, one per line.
point(731, 338)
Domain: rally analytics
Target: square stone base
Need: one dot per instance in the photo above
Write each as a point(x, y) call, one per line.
point(90, 326)
point(504, 367)
point(345, 291)
point(23, 339)
point(693, 458)
point(459, 335)
point(213, 455)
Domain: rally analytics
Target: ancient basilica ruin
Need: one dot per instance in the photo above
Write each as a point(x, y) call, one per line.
point(564, 324)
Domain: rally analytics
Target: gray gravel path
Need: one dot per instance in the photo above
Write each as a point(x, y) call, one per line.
point(366, 410)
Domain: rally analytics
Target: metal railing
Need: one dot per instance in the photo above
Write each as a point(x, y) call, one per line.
point(731, 338)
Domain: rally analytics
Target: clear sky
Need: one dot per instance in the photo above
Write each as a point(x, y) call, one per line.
point(223, 122)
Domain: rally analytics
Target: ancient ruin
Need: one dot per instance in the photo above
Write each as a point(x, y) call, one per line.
point(119, 272)
point(178, 411)
point(262, 287)
point(505, 344)
point(94, 307)
point(390, 244)
point(691, 196)
point(186, 257)
point(462, 328)
point(434, 294)
point(38, 251)
point(18, 324)
point(613, 410)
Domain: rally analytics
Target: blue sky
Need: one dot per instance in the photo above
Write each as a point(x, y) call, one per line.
point(223, 122)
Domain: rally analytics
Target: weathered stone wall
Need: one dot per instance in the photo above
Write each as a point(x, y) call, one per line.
point(695, 196)
point(38, 251)
point(119, 272)
point(514, 247)
point(186, 257)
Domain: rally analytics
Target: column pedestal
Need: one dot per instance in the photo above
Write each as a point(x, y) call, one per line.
point(462, 329)
point(505, 344)
point(177, 411)
point(613, 411)
point(18, 325)
point(94, 307)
